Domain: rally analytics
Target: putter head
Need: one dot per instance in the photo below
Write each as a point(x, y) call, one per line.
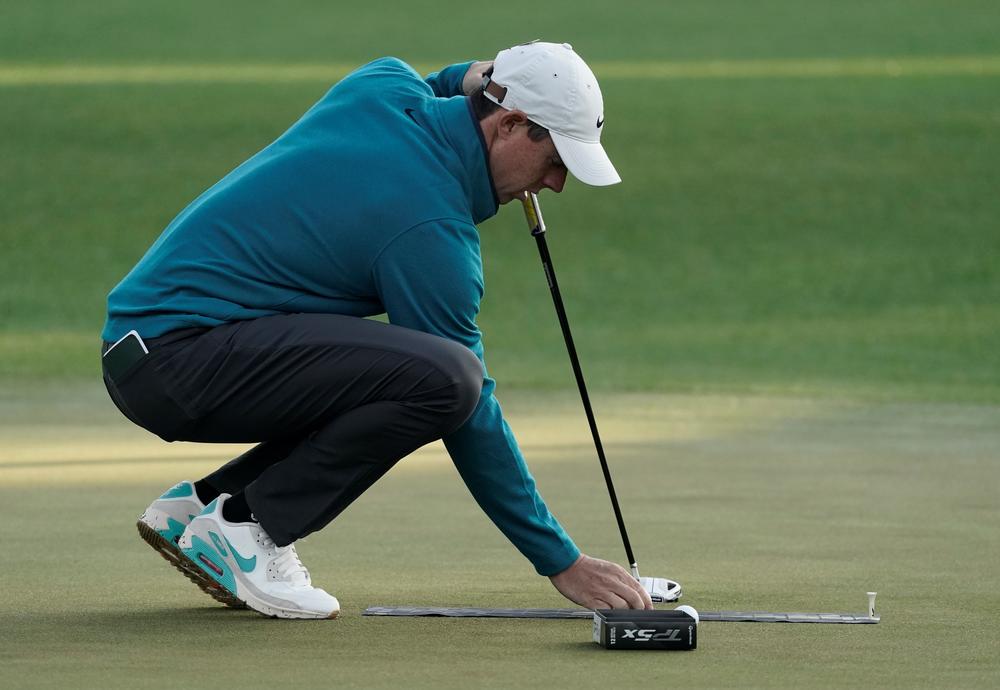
point(661, 589)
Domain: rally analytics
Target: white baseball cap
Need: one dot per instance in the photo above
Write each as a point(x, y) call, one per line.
point(553, 86)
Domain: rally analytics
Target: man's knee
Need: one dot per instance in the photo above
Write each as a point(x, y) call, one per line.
point(465, 373)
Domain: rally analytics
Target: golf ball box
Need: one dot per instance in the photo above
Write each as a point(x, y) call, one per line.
point(632, 629)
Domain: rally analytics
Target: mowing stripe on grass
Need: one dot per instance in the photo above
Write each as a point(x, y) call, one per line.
point(54, 75)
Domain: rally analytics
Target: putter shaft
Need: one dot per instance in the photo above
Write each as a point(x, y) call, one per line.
point(533, 213)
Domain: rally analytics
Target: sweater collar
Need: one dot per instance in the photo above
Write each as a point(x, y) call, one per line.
point(466, 137)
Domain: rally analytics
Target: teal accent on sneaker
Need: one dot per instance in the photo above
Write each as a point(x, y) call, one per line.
point(210, 508)
point(182, 490)
point(173, 532)
point(205, 557)
point(246, 564)
point(218, 543)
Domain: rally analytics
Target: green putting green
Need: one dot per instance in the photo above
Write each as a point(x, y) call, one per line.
point(783, 504)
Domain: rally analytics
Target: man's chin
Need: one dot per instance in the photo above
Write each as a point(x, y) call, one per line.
point(507, 198)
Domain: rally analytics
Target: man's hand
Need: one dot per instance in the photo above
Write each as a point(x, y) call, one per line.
point(473, 79)
point(598, 584)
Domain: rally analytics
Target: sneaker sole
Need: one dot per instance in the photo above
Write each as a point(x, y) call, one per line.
point(274, 612)
point(191, 571)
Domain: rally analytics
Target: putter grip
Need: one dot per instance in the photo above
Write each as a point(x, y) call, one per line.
point(533, 213)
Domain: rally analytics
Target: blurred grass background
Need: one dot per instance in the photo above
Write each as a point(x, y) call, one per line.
point(824, 235)
point(305, 30)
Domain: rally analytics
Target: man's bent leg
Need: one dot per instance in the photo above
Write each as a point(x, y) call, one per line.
point(234, 476)
point(337, 400)
point(338, 463)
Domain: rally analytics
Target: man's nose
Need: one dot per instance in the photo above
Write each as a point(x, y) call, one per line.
point(555, 179)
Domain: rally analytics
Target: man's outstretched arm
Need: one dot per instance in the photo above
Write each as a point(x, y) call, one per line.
point(430, 279)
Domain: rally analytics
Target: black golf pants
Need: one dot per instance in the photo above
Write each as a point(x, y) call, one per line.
point(333, 402)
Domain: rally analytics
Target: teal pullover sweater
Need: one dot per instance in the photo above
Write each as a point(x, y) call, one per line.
point(367, 205)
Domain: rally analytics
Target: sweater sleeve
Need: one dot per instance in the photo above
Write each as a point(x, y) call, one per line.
point(448, 82)
point(430, 279)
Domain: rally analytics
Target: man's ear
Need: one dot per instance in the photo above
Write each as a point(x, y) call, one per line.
point(510, 120)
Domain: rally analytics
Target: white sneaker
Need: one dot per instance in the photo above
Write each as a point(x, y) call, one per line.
point(161, 526)
point(246, 562)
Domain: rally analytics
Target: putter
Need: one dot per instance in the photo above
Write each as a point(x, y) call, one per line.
point(660, 589)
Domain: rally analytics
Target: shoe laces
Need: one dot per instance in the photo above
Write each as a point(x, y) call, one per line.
point(286, 563)
point(290, 568)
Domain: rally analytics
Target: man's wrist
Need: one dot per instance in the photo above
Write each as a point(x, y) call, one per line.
point(473, 80)
point(566, 565)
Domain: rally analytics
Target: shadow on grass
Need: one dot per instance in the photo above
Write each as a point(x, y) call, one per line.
point(590, 648)
point(144, 621)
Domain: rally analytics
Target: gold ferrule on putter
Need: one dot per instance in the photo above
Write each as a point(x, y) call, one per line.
point(533, 212)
